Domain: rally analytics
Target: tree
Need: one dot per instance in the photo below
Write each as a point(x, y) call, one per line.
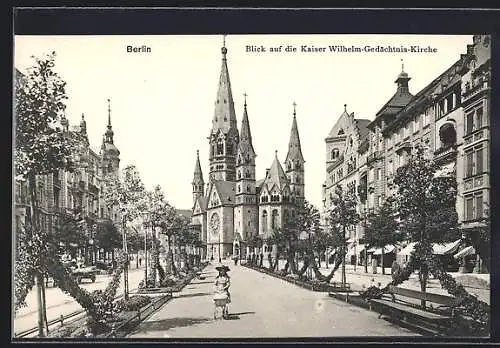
point(342, 214)
point(69, 233)
point(41, 148)
point(159, 211)
point(126, 193)
point(382, 228)
point(107, 237)
point(427, 209)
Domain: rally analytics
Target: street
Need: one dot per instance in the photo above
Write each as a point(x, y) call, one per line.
point(262, 306)
point(59, 303)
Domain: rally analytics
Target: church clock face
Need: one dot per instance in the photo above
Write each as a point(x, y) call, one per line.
point(214, 224)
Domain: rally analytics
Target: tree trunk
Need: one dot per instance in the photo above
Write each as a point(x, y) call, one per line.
point(382, 260)
point(44, 306)
point(366, 258)
point(42, 332)
point(35, 228)
point(423, 276)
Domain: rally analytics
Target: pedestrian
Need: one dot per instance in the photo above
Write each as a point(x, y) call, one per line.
point(261, 259)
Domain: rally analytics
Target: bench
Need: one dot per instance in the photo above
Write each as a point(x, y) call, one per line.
point(403, 308)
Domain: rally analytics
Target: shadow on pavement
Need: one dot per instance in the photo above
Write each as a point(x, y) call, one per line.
point(196, 294)
point(194, 283)
point(166, 324)
point(236, 316)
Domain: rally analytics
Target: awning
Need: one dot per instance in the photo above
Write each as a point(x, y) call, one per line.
point(356, 250)
point(387, 250)
point(465, 252)
point(446, 248)
point(438, 249)
point(446, 170)
point(407, 249)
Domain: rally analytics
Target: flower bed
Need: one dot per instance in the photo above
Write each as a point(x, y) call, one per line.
point(314, 285)
point(171, 284)
point(126, 315)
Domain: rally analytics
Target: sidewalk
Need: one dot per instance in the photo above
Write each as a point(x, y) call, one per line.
point(359, 278)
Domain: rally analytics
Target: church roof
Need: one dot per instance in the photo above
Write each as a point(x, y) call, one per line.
point(226, 191)
point(333, 132)
point(224, 115)
point(276, 175)
point(294, 148)
point(198, 175)
point(245, 146)
point(203, 202)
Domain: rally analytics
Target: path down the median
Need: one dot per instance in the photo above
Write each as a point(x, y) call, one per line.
point(262, 306)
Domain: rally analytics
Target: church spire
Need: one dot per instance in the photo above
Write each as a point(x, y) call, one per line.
point(245, 134)
point(109, 131)
point(198, 174)
point(224, 116)
point(198, 183)
point(294, 148)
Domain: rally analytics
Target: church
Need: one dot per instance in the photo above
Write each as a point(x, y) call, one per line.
point(233, 206)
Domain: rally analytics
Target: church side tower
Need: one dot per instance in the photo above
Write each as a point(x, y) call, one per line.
point(110, 155)
point(223, 137)
point(198, 183)
point(295, 162)
point(245, 213)
point(110, 166)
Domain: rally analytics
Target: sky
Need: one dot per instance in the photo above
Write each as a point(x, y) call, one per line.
point(162, 102)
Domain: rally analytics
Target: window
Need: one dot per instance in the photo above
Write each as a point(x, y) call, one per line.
point(479, 160)
point(469, 163)
point(220, 147)
point(334, 154)
point(379, 174)
point(474, 120)
point(239, 188)
point(264, 221)
point(474, 207)
point(229, 148)
point(391, 168)
point(479, 118)
point(274, 221)
point(426, 117)
point(479, 205)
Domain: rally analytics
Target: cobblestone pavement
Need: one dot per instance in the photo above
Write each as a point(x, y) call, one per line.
point(262, 306)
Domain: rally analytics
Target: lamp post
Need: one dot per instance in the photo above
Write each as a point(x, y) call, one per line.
point(125, 266)
point(220, 259)
point(366, 245)
point(146, 252)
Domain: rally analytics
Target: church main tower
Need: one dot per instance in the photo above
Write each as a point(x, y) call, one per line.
point(224, 137)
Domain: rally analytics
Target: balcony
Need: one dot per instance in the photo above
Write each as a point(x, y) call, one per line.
point(404, 146)
point(374, 156)
point(446, 152)
point(474, 90)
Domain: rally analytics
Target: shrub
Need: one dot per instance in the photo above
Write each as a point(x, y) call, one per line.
point(134, 303)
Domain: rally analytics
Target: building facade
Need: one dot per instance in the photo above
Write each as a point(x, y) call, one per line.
point(233, 206)
point(80, 192)
point(449, 118)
